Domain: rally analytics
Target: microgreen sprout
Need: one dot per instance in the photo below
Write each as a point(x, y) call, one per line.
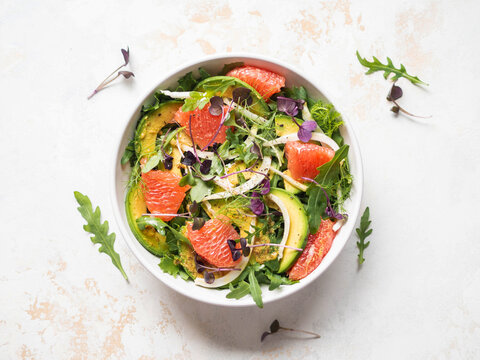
point(111, 77)
point(291, 107)
point(396, 93)
point(256, 204)
point(275, 327)
point(241, 96)
point(244, 248)
point(198, 223)
point(208, 271)
point(216, 106)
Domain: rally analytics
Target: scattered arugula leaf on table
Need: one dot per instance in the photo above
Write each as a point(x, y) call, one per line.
point(99, 230)
point(363, 232)
point(388, 69)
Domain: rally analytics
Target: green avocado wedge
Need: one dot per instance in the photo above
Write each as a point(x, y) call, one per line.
point(298, 233)
point(150, 125)
point(135, 207)
point(259, 106)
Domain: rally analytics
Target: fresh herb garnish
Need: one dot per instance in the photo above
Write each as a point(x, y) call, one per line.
point(396, 93)
point(363, 232)
point(327, 118)
point(111, 77)
point(129, 154)
point(291, 107)
point(388, 69)
point(275, 327)
point(99, 230)
point(256, 204)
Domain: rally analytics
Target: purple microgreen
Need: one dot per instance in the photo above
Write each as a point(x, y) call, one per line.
point(216, 106)
point(111, 77)
point(265, 186)
point(236, 253)
point(255, 149)
point(126, 74)
point(168, 162)
point(208, 277)
point(193, 208)
point(215, 146)
point(275, 327)
point(126, 55)
point(289, 106)
point(200, 266)
point(329, 210)
point(241, 96)
point(240, 121)
point(188, 158)
point(256, 205)
point(305, 130)
point(198, 223)
point(205, 166)
point(198, 175)
point(244, 247)
point(225, 115)
point(395, 93)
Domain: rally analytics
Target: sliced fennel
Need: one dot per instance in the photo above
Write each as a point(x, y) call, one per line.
point(291, 180)
point(286, 219)
point(316, 136)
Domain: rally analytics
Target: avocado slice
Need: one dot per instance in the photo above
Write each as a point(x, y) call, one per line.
point(289, 187)
point(284, 125)
point(259, 106)
point(135, 207)
point(298, 232)
point(151, 124)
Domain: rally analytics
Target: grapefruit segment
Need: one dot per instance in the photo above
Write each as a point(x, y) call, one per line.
point(204, 125)
point(210, 242)
point(317, 247)
point(264, 81)
point(304, 158)
point(162, 192)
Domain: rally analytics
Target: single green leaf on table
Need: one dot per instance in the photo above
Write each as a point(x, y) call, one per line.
point(242, 289)
point(388, 69)
point(168, 266)
point(99, 230)
point(255, 289)
point(363, 232)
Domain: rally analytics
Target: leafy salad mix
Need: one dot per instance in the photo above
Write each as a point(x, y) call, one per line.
point(237, 180)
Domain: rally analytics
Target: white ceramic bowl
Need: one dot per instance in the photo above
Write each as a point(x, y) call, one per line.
point(213, 65)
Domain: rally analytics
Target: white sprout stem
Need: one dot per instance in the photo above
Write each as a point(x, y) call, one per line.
point(291, 180)
point(166, 214)
point(316, 136)
point(176, 94)
point(254, 117)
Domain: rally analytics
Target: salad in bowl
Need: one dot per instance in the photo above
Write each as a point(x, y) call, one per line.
point(237, 181)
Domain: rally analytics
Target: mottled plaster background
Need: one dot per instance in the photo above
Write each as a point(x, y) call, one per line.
point(418, 293)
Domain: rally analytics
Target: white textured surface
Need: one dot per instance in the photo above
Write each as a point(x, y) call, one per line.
point(418, 293)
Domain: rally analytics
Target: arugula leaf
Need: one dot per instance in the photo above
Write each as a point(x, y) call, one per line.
point(99, 230)
point(203, 74)
point(242, 289)
point(196, 100)
point(128, 154)
point(363, 233)
point(159, 225)
point(187, 180)
point(297, 93)
point(152, 163)
point(276, 280)
point(317, 203)
point(330, 171)
point(231, 66)
point(159, 99)
point(200, 190)
point(327, 118)
point(187, 82)
point(255, 289)
point(388, 69)
point(172, 242)
point(168, 266)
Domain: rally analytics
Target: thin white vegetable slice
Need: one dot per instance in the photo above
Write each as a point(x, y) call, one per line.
point(316, 136)
point(255, 180)
point(286, 220)
point(291, 180)
point(231, 275)
point(176, 94)
point(248, 114)
point(338, 225)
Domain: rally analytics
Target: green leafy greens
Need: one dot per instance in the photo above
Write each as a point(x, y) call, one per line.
point(388, 69)
point(99, 230)
point(363, 232)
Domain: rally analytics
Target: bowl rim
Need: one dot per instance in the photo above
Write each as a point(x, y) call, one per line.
point(127, 235)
